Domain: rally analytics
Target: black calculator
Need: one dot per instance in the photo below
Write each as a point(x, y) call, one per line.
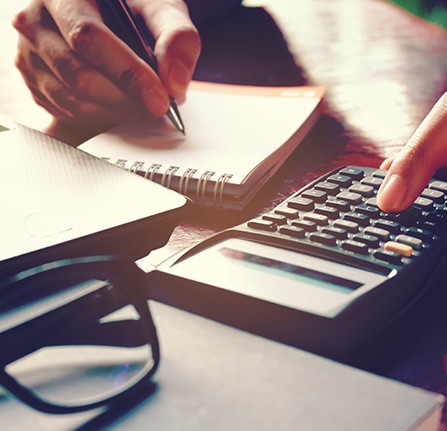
point(326, 270)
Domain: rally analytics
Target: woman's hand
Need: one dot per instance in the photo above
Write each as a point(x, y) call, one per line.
point(84, 75)
point(411, 170)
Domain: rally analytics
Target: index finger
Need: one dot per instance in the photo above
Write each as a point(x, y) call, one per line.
point(177, 42)
point(413, 167)
point(82, 26)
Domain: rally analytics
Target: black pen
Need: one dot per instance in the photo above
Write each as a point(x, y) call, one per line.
point(120, 19)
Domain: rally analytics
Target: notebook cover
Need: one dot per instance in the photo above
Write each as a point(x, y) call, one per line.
point(216, 378)
point(58, 201)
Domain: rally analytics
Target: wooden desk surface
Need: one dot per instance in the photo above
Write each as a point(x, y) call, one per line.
point(383, 70)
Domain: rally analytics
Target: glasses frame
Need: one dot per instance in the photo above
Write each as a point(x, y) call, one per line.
point(90, 266)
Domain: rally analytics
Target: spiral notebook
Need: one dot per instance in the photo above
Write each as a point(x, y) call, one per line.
point(236, 139)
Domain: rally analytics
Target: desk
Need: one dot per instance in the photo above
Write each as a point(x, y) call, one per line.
point(383, 70)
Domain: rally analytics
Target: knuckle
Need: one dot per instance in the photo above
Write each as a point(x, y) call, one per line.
point(22, 22)
point(19, 21)
point(81, 36)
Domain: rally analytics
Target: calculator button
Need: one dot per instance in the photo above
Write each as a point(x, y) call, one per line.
point(350, 226)
point(372, 181)
point(413, 242)
point(307, 225)
point(368, 211)
point(369, 240)
point(389, 225)
point(262, 225)
point(354, 173)
point(329, 188)
point(316, 195)
point(319, 219)
point(372, 202)
point(355, 246)
point(358, 218)
point(410, 216)
point(339, 233)
point(422, 234)
point(294, 231)
point(288, 212)
point(323, 238)
point(300, 203)
point(382, 234)
point(438, 185)
point(352, 198)
point(434, 195)
point(379, 173)
point(327, 211)
point(362, 189)
point(388, 256)
point(278, 219)
point(340, 205)
point(402, 249)
point(423, 203)
point(342, 180)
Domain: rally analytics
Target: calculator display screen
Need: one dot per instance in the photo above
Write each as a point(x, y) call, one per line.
point(276, 275)
point(312, 276)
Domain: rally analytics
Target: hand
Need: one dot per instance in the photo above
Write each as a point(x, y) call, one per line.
point(411, 170)
point(79, 71)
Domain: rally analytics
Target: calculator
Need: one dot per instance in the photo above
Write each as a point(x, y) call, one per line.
point(326, 270)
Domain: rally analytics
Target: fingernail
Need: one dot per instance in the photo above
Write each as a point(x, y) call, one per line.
point(392, 195)
point(156, 103)
point(178, 76)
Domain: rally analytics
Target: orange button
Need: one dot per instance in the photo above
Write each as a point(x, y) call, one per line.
point(403, 249)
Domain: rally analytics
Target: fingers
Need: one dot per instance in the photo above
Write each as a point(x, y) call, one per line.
point(80, 71)
point(66, 86)
point(177, 45)
point(410, 171)
point(83, 29)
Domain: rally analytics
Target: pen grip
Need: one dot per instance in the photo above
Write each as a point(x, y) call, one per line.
point(121, 21)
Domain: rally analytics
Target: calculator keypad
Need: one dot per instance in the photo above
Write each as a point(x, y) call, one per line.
point(339, 213)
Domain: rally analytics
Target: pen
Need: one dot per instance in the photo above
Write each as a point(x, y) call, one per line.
point(120, 19)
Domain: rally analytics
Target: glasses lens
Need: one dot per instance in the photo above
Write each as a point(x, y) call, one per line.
point(74, 346)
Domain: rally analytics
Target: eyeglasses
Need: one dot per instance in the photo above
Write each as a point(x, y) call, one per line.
point(76, 334)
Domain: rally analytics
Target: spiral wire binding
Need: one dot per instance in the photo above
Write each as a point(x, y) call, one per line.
point(219, 188)
point(136, 167)
point(121, 163)
point(169, 173)
point(184, 180)
point(168, 176)
point(151, 171)
point(201, 186)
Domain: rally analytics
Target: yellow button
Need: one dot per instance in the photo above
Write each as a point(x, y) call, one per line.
point(403, 249)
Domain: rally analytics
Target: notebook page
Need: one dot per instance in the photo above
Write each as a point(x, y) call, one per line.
point(226, 132)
